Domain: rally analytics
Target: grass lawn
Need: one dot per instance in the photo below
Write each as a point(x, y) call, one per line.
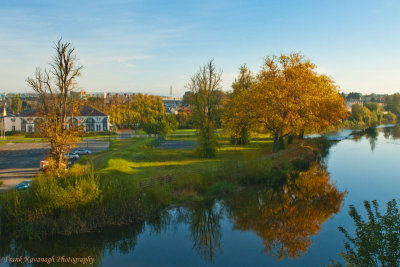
point(139, 159)
point(23, 139)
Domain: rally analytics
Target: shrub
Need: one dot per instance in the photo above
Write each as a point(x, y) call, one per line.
point(220, 188)
point(188, 183)
point(157, 197)
point(38, 209)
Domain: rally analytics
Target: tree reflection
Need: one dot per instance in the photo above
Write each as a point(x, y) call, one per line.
point(205, 228)
point(393, 132)
point(285, 219)
point(372, 136)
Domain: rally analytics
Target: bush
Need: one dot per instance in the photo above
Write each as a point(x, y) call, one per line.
point(389, 117)
point(13, 133)
point(207, 144)
point(188, 183)
point(220, 188)
point(157, 197)
point(71, 204)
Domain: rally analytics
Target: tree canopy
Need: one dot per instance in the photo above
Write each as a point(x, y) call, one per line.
point(289, 97)
point(54, 87)
point(205, 101)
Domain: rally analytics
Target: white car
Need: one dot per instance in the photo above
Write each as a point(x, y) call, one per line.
point(71, 155)
point(82, 151)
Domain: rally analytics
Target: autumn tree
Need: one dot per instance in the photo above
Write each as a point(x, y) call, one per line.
point(236, 118)
point(205, 102)
point(290, 97)
point(148, 108)
point(57, 107)
point(184, 118)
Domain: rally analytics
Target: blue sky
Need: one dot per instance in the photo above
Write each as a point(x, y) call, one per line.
point(146, 46)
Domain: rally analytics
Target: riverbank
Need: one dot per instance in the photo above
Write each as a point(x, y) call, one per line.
point(135, 180)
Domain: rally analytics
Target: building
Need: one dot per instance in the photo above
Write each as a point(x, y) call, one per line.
point(92, 119)
point(171, 104)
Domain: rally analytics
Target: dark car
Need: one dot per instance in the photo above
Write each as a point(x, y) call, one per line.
point(24, 185)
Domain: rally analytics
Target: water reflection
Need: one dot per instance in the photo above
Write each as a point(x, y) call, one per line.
point(204, 219)
point(96, 245)
point(287, 218)
point(284, 218)
point(392, 132)
point(372, 136)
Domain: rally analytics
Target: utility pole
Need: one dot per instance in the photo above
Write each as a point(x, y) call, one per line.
point(4, 117)
point(170, 91)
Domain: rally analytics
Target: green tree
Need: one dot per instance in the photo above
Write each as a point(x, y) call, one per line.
point(354, 95)
point(163, 125)
point(357, 113)
point(16, 104)
point(393, 104)
point(376, 241)
point(389, 117)
point(205, 103)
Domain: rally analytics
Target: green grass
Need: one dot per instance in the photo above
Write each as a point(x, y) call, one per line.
point(137, 159)
point(23, 139)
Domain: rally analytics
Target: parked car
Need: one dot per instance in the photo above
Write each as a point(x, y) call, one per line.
point(83, 151)
point(24, 185)
point(71, 155)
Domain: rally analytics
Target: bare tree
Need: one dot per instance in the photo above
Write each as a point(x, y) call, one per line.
point(205, 86)
point(58, 106)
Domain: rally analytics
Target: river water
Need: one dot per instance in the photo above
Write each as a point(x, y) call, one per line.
point(296, 225)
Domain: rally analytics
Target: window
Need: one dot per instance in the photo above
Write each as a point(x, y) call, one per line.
point(105, 122)
point(13, 128)
point(23, 125)
point(90, 125)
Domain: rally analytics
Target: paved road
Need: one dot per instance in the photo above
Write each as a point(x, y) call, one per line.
point(170, 144)
point(20, 161)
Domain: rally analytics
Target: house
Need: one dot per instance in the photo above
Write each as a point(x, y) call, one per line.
point(92, 119)
point(351, 102)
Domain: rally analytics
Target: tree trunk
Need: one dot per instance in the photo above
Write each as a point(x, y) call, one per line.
point(290, 139)
point(301, 135)
point(276, 142)
point(281, 142)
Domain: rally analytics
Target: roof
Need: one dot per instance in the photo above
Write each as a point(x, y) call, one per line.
point(89, 111)
point(30, 113)
point(85, 111)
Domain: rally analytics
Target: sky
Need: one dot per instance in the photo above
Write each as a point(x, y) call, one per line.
point(148, 46)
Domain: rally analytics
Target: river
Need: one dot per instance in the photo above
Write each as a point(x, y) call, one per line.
point(296, 225)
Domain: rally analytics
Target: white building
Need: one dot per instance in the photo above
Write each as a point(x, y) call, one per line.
point(92, 119)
